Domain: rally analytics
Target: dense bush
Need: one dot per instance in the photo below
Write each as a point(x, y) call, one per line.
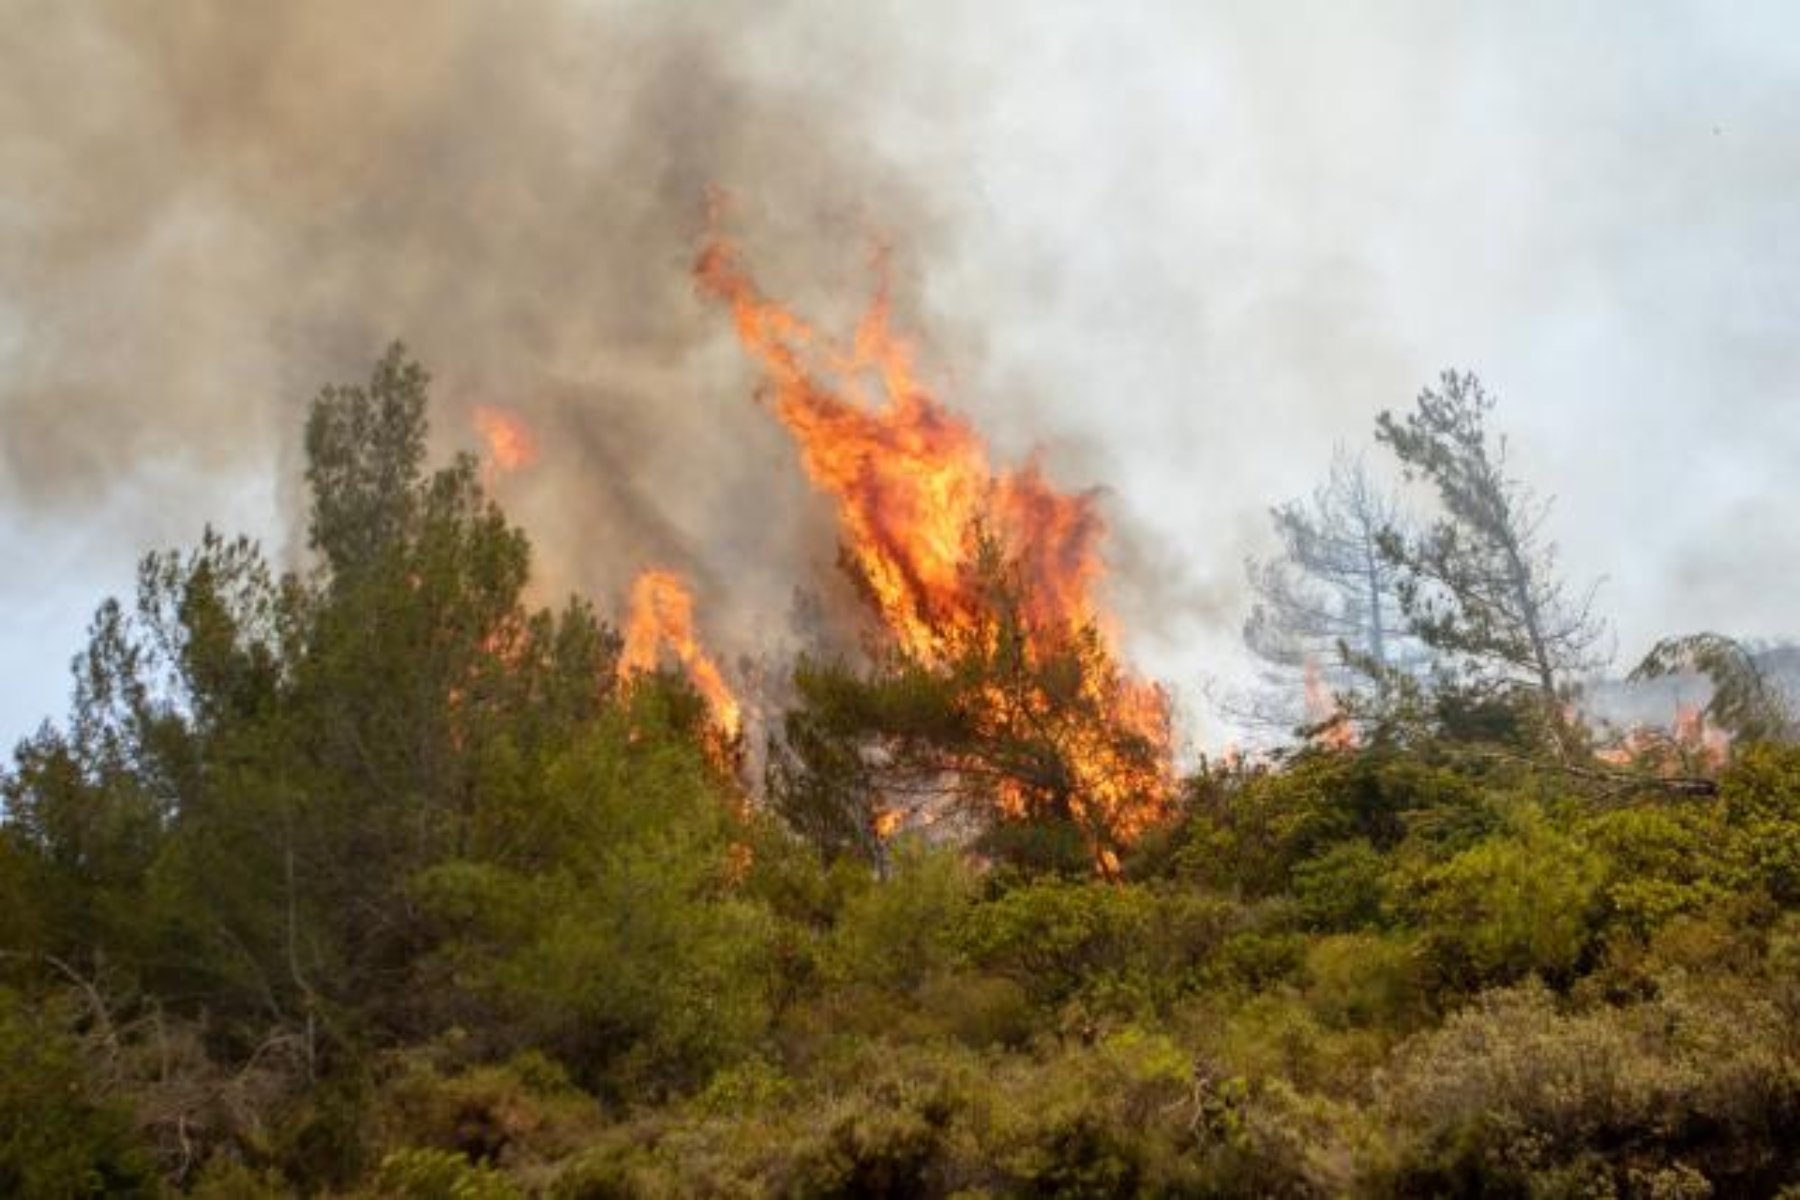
point(61, 1134)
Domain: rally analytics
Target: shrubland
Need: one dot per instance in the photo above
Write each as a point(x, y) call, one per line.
point(370, 880)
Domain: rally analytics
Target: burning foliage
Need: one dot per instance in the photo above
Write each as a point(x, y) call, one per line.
point(983, 580)
point(510, 444)
point(662, 618)
point(1329, 724)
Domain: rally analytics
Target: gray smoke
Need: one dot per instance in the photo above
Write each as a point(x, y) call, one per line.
point(1183, 248)
point(213, 211)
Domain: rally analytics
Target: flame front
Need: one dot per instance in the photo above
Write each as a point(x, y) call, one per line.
point(913, 483)
point(662, 615)
point(511, 446)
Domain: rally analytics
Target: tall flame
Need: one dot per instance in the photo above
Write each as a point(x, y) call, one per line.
point(511, 446)
point(662, 615)
point(912, 482)
point(910, 478)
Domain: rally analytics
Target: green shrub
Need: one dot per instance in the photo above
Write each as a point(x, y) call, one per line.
point(440, 1175)
point(978, 1010)
point(60, 1135)
point(1513, 1094)
point(1258, 958)
point(632, 952)
point(1510, 906)
point(1278, 1036)
point(520, 1114)
point(226, 1178)
point(1359, 979)
point(1055, 937)
point(1342, 888)
point(1662, 863)
point(1761, 797)
point(1248, 837)
point(897, 931)
point(322, 1142)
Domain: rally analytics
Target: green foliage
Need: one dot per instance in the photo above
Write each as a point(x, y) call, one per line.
point(224, 1178)
point(523, 1116)
point(1481, 583)
point(440, 1175)
point(1510, 906)
point(618, 936)
point(1662, 863)
point(1513, 1093)
point(365, 447)
point(1251, 834)
point(897, 932)
point(1343, 887)
point(1121, 946)
point(60, 1133)
point(1761, 799)
point(1359, 980)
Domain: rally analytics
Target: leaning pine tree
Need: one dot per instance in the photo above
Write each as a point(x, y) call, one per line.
point(1480, 583)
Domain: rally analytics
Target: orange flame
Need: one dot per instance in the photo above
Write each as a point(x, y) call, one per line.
point(912, 481)
point(1700, 737)
point(1689, 742)
point(511, 446)
point(910, 478)
point(662, 615)
point(1332, 730)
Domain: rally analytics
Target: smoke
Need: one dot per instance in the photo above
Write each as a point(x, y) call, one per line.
point(1184, 249)
point(215, 212)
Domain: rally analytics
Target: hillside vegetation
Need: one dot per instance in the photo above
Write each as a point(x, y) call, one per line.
point(370, 880)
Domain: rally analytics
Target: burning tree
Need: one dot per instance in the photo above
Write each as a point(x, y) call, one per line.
point(662, 617)
point(1745, 702)
point(996, 684)
point(1020, 733)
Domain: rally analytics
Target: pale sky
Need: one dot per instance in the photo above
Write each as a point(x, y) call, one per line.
point(1180, 248)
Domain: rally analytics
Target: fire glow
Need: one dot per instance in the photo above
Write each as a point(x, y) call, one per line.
point(912, 483)
point(662, 617)
point(511, 446)
point(1333, 730)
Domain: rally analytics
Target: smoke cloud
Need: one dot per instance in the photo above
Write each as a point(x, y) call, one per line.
point(215, 212)
point(1181, 249)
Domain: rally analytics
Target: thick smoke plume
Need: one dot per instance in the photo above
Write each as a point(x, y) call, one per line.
point(209, 212)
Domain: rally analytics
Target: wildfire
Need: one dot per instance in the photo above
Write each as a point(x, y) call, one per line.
point(910, 478)
point(912, 481)
point(1700, 737)
point(1690, 741)
point(1333, 731)
point(888, 822)
point(511, 446)
point(662, 616)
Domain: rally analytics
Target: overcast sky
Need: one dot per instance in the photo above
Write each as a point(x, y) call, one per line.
point(1179, 248)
